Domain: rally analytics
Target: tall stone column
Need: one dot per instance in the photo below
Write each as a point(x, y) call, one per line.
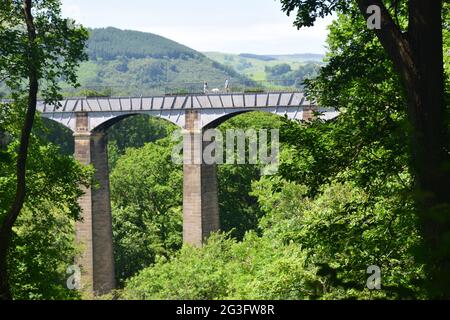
point(200, 187)
point(94, 232)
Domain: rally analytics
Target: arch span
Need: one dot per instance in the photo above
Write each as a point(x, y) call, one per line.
point(211, 120)
point(102, 122)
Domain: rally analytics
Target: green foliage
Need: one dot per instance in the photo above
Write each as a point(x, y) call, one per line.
point(57, 134)
point(283, 75)
point(370, 137)
point(55, 54)
point(344, 231)
point(43, 237)
point(309, 249)
point(239, 211)
point(256, 56)
point(136, 131)
point(342, 201)
point(38, 244)
point(147, 205)
point(226, 269)
point(278, 70)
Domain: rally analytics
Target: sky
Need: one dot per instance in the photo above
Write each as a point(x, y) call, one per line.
point(230, 26)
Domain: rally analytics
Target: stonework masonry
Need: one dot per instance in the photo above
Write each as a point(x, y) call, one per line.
point(94, 232)
point(200, 187)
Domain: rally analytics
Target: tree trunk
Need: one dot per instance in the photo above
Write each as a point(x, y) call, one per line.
point(430, 140)
point(13, 213)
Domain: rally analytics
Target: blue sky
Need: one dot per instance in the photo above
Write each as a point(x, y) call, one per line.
point(232, 26)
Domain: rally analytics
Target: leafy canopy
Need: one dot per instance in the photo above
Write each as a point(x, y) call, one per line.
point(55, 54)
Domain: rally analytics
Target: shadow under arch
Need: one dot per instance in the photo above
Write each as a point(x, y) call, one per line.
point(219, 121)
point(106, 125)
point(110, 123)
point(133, 130)
point(58, 134)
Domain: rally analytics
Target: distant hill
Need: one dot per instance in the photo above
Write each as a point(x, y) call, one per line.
point(111, 43)
point(257, 57)
point(299, 57)
point(286, 57)
point(124, 62)
point(259, 67)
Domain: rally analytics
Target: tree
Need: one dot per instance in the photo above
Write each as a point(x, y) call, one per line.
point(42, 243)
point(38, 47)
point(308, 249)
point(416, 50)
point(278, 70)
point(239, 211)
point(225, 269)
point(146, 193)
point(136, 131)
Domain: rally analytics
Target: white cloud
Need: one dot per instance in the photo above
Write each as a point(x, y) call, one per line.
point(235, 26)
point(275, 38)
point(72, 11)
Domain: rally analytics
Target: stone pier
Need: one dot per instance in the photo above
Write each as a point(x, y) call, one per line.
point(200, 187)
point(94, 232)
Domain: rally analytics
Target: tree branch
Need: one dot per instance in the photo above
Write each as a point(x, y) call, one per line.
point(394, 42)
point(396, 7)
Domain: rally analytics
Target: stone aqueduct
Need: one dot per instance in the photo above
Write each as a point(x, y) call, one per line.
point(89, 119)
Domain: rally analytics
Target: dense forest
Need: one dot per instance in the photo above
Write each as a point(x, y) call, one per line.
point(344, 199)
